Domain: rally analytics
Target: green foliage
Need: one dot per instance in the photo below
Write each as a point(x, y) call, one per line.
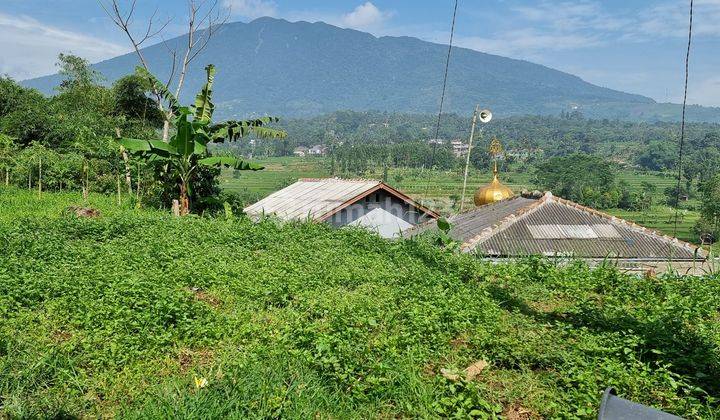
point(76, 72)
point(710, 223)
point(659, 156)
point(187, 148)
point(117, 316)
point(585, 179)
point(131, 100)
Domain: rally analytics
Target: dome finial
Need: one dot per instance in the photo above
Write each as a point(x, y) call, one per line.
point(495, 190)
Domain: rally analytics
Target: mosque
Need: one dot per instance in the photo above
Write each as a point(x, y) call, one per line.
point(505, 226)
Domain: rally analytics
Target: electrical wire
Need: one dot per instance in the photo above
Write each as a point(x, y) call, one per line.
point(442, 99)
point(682, 123)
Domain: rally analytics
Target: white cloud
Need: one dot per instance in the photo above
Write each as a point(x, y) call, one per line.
point(30, 48)
point(525, 43)
point(251, 9)
point(365, 16)
point(670, 19)
point(705, 91)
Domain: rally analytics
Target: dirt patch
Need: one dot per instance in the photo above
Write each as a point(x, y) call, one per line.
point(61, 336)
point(517, 412)
point(206, 297)
point(472, 371)
point(188, 358)
point(88, 212)
point(459, 342)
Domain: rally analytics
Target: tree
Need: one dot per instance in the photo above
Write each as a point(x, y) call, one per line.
point(658, 156)
point(586, 179)
point(204, 19)
point(132, 102)
point(76, 72)
point(187, 149)
point(710, 209)
point(7, 156)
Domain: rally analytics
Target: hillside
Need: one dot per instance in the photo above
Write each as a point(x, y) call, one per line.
point(138, 314)
point(272, 66)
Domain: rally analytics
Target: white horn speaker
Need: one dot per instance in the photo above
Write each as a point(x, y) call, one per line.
point(485, 116)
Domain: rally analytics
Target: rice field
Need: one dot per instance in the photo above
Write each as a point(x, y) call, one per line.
point(441, 190)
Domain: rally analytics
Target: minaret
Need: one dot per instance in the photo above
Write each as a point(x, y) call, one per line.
point(494, 191)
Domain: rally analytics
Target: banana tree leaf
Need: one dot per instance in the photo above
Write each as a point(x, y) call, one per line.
point(201, 141)
point(158, 147)
point(183, 140)
point(204, 107)
point(160, 88)
point(230, 162)
point(234, 130)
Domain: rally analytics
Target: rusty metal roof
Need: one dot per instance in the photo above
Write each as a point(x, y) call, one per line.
point(552, 226)
point(319, 198)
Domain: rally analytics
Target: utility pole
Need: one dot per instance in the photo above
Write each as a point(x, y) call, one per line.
point(467, 159)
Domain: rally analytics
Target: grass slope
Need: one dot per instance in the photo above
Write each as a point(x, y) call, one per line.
point(120, 315)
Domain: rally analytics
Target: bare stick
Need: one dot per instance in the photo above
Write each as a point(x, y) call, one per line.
point(467, 160)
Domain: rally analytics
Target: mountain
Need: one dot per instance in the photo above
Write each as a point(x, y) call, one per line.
point(272, 66)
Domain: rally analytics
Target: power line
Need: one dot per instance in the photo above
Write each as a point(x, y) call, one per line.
point(682, 123)
point(442, 97)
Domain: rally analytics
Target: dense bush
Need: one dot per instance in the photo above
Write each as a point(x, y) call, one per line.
point(120, 315)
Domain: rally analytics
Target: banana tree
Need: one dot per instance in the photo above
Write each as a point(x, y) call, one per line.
point(194, 130)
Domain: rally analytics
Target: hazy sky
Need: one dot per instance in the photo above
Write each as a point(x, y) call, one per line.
point(636, 46)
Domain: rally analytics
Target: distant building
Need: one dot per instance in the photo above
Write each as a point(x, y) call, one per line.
point(300, 151)
point(345, 202)
point(317, 150)
point(459, 148)
point(557, 228)
point(505, 226)
point(436, 141)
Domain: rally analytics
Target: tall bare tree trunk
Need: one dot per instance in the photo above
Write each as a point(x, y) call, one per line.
point(126, 160)
point(139, 179)
point(118, 190)
point(7, 177)
point(39, 177)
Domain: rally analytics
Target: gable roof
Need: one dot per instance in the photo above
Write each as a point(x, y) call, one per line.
point(320, 198)
point(386, 224)
point(553, 226)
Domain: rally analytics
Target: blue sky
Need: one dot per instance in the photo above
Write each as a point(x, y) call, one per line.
point(631, 45)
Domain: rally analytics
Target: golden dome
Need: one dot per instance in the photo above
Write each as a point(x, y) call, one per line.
point(493, 192)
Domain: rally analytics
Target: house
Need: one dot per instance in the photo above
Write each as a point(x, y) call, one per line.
point(459, 148)
point(345, 202)
point(546, 225)
point(317, 150)
point(300, 151)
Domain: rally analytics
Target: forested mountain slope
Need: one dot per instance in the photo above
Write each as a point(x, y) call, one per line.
point(272, 66)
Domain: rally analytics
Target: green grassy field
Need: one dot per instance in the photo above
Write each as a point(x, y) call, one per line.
point(137, 314)
point(441, 189)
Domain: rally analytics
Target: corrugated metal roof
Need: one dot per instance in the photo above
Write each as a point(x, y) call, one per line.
point(553, 226)
point(311, 198)
point(469, 224)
